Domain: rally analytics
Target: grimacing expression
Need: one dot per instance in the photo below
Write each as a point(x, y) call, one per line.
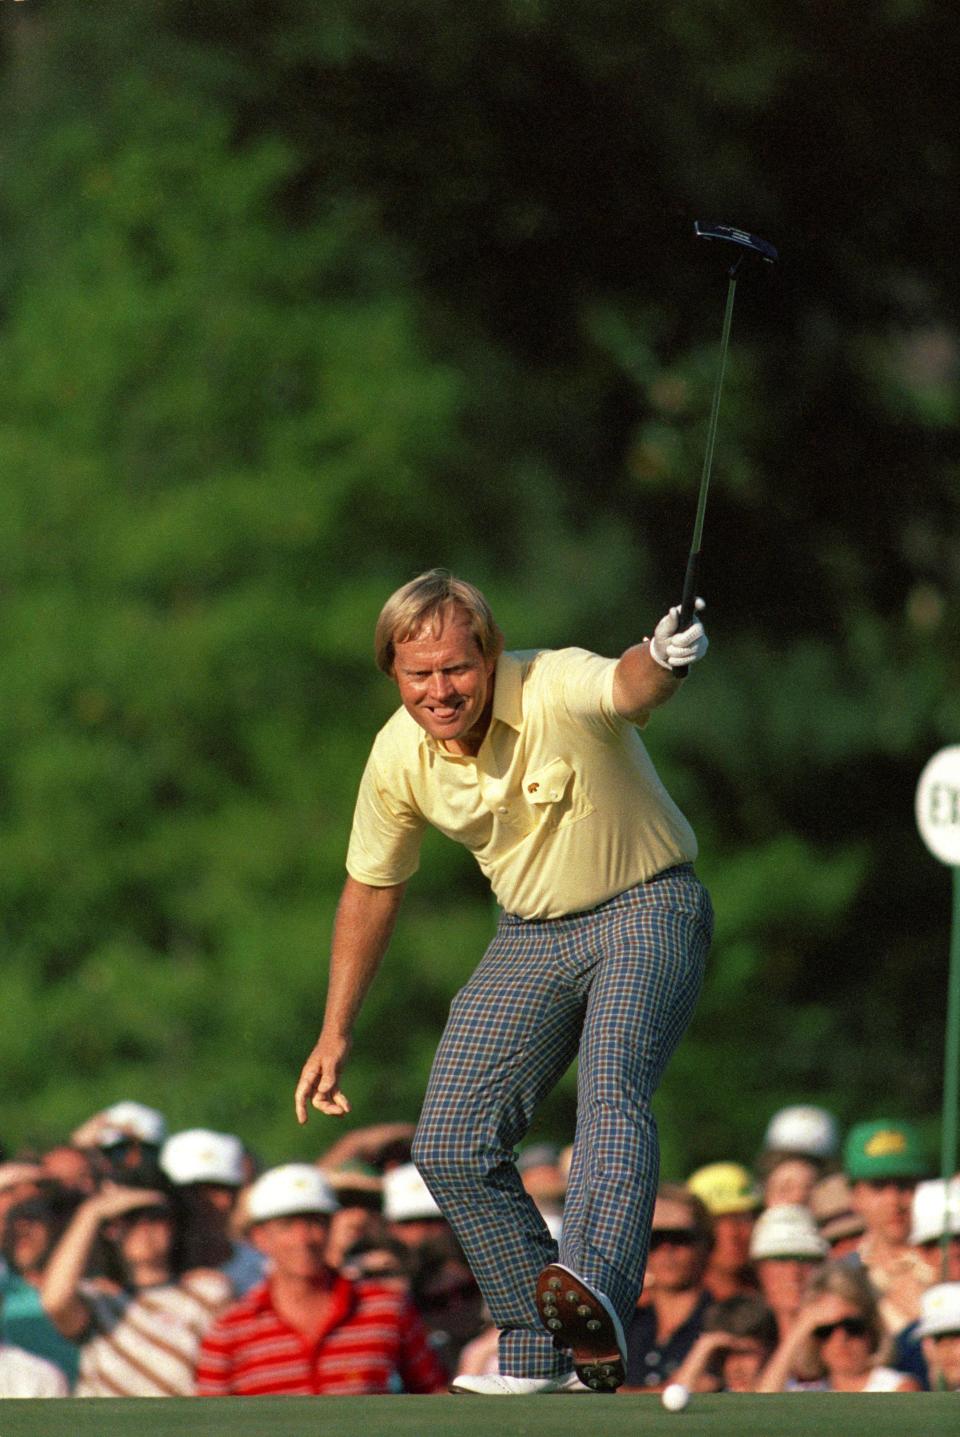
point(445, 682)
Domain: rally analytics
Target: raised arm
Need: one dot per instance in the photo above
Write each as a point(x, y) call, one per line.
point(60, 1289)
point(361, 933)
point(822, 1307)
point(692, 1372)
point(646, 674)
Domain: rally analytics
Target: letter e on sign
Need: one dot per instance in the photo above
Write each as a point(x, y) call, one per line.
point(937, 805)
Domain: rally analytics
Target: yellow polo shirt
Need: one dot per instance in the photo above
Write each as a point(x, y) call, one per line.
point(562, 807)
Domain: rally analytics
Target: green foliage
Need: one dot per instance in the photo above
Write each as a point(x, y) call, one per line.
point(296, 302)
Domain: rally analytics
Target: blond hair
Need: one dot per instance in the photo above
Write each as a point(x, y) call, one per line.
point(853, 1285)
point(425, 602)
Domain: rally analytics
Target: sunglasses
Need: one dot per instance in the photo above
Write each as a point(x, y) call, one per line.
point(672, 1236)
point(852, 1326)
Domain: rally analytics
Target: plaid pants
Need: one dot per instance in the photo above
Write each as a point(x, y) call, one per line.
point(619, 985)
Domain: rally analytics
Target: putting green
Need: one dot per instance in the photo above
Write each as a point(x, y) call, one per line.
point(794, 1415)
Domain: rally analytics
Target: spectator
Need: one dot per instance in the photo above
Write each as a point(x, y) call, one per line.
point(940, 1333)
point(738, 1339)
point(389, 1261)
point(128, 1136)
point(358, 1189)
point(382, 1145)
point(840, 1333)
point(139, 1339)
point(935, 1228)
point(412, 1215)
point(935, 1238)
point(307, 1329)
point(24, 1374)
point(787, 1179)
point(73, 1167)
point(669, 1317)
point(733, 1202)
point(446, 1295)
point(831, 1204)
point(883, 1161)
point(207, 1170)
point(803, 1131)
point(787, 1251)
point(18, 1180)
point(31, 1230)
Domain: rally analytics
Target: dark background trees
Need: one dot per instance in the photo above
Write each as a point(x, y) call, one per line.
point(297, 301)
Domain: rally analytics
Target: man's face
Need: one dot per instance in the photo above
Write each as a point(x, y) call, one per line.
point(445, 682)
point(677, 1257)
point(933, 1255)
point(885, 1205)
point(791, 1181)
point(731, 1246)
point(296, 1245)
point(943, 1360)
point(784, 1281)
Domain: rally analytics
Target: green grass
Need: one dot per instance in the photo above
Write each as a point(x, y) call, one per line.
point(793, 1415)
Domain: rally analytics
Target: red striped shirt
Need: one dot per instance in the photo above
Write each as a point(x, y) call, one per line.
point(372, 1333)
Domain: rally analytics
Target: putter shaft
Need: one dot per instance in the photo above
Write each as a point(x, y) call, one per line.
point(690, 580)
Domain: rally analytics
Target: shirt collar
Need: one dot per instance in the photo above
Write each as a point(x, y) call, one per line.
point(508, 691)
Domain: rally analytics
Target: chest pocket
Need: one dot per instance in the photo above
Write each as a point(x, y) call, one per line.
point(554, 793)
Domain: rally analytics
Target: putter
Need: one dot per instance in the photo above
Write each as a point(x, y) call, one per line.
point(748, 246)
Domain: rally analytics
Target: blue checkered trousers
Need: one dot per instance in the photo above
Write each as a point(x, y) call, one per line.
point(617, 984)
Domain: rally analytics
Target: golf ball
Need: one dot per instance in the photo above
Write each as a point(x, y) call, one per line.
point(675, 1397)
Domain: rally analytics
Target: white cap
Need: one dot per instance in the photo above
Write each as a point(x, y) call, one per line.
point(811, 1132)
point(199, 1156)
point(406, 1196)
point(292, 1188)
point(940, 1310)
point(132, 1120)
point(936, 1210)
point(786, 1231)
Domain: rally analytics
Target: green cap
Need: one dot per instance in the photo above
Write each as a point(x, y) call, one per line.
point(884, 1148)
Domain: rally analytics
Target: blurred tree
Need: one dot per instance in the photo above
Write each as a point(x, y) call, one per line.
point(296, 302)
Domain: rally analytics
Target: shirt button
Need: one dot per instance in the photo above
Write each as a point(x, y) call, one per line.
point(502, 808)
point(652, 1358)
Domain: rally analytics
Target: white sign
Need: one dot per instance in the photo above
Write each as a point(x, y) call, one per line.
point(937, 805)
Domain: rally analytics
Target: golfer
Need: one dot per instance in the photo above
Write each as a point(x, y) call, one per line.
point(533, 761)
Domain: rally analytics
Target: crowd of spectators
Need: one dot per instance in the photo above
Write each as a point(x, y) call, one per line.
point(137, 1263)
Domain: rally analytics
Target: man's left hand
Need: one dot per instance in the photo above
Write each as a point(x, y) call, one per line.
point(673, 650)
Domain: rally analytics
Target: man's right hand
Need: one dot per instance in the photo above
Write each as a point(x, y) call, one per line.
point(319, 1083)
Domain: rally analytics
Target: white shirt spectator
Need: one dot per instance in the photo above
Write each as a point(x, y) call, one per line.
point(22, 1374)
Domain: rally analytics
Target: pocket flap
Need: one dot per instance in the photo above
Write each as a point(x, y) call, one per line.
point(549, 783)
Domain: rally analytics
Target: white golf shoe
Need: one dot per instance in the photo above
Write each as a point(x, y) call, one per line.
point(582, 1319)
point(499, 1386)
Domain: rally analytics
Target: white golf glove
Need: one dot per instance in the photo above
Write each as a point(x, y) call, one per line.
point(676, 651)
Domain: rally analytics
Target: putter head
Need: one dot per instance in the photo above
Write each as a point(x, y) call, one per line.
point(750, 243)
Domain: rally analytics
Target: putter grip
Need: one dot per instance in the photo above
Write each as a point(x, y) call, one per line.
point(688, 602)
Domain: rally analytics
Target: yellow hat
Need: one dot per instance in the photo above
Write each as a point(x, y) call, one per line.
point(725, 1188)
